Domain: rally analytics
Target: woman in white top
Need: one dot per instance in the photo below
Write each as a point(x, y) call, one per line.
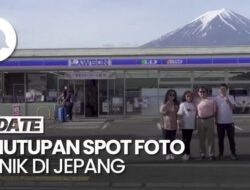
point(186, 121)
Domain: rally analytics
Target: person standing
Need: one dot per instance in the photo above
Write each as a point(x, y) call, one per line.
point(224, 120)
point(69, 103)
point(168, 111)
point(64, 96)
point(206, 110)
point(65, 92)
point(186, 117)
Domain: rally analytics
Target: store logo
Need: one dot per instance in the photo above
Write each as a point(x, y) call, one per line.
point(174, 61)
point(8, 39)
point(89, 62)
point(149, 62)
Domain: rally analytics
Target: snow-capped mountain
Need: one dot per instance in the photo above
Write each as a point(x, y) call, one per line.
point(214, 28)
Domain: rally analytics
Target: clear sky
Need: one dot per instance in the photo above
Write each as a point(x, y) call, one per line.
point(104, 23)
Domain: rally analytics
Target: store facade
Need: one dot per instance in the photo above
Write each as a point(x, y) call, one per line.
point(119, 82)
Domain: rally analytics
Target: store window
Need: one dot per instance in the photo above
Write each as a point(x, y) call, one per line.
point(13, 91)
point(210, 80)
point(239, 87)
point(174, 76)
point(211, 88)
point(242, 98)
point(116, 93)
point(180, 81)
point(79, 92)
point(103, 97)
point(179, 88)
point(239, 75)
point(209, 75)
point(141, 92)
point(41, 87)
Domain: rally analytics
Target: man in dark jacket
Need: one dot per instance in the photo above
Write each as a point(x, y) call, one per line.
point(69, 103)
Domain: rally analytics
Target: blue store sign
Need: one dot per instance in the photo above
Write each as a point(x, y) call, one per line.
point(120, 61)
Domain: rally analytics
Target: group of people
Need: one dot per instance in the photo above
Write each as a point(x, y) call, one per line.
point(67, 99)
point(201, 113)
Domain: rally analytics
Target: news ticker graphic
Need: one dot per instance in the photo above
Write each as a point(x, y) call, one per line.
point(44, 156)
point(66, 156)
point(21, 125)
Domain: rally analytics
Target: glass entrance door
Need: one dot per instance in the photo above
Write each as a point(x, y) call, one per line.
point(116, 96)
point(103, 98)
point(94, 98)
point(79, 105)
point(91, 98)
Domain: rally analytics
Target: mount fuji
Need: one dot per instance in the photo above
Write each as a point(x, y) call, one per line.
point(214, 28)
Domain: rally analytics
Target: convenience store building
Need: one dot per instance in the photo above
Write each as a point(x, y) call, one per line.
point(119, 82)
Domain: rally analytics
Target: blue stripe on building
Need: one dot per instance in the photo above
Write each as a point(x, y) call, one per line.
point(129, 61)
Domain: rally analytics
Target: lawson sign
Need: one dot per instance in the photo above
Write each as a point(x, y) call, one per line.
point(87, 62)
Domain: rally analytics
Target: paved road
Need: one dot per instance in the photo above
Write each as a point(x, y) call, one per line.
point(144, 171)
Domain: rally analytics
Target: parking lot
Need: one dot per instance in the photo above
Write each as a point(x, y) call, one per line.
point(143, 171)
